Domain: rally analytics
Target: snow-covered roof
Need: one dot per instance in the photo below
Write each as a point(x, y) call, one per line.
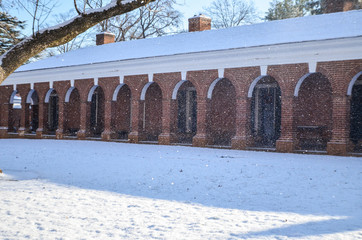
point(310, 28)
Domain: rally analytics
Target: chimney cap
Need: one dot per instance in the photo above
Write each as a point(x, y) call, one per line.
point(200, 16)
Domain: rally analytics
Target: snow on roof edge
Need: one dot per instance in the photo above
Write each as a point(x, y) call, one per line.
point(277, 32)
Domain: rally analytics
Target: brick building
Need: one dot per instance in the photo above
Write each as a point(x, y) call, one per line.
point(290, 85)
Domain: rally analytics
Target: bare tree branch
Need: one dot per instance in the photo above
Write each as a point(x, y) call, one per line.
point(62, 33)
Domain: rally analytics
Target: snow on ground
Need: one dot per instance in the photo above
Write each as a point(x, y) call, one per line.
point(96, 190)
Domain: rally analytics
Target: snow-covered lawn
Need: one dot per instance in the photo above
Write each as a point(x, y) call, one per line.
point(96, 190)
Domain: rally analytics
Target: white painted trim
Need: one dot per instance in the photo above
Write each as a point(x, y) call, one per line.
point(72, 82)
point(121, 79)
point(51, 84)
point(67, 95)
point(144, 90)
point(14, 87)
point(351, 84)
point(211, 88)
point(32, 85)
point(300, 81)
point(116, 91)
point(177, 87)
point(91, 91)
point(279, 54)
point(11, 100)
point(47, 96)
point(183, 75)
point(30, 94)
point(312, 67)
point(220, 72)
point(263, 70)
point(253, 84)
point(95, 80)
point(150, 77)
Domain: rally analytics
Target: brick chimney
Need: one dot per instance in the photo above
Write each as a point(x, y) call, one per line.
point(331, 6)
point(105, 38)
point(199, 23)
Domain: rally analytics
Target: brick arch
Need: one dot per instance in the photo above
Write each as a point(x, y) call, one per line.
point(72, 114)
point(352, 82)
point(68, 94)
point(327, 74)
point(97, 111)
point(84, 86)
point(176, 88)
point(202, 80)
point(287, 76)
point(241, 78)
point(117, 90)
point(11, 99)
point(167, 83)
point(30, 96)
point(109, 84)
point(313, 111)
point(222, 116)
point(47, 95)
point(151, 98)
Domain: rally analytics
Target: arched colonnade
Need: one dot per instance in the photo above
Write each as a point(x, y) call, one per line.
point(240, 108)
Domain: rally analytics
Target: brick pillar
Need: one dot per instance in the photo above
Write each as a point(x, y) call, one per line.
point(134, 135)
point(4, 119)
point(59, 132)
point(165, 138)
point(40, 130)
point(242, 135)
point(23, 117)
point(106, 134)
point(339, 144)
point(83, 119)
point(286, 141)
point(201, 139)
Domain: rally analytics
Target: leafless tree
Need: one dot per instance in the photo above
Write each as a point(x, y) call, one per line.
point(38, 10)
point(77, 42)
point(230, 13)
point(62, 33)
point(156, 19)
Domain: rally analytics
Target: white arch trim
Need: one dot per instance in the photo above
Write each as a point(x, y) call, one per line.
point(91, 91)
point(211, 88)
point(67, 95)
point(299, 83)
point(116, 91)
point(12, 96)
point(253, 84)
point(177, 87)
point(351, 84)
point(47, 96)
point(144, 90)
point(29, 97)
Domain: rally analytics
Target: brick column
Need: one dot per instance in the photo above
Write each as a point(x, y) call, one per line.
point(4, 119)
point(40, 130)
point(339, 144)
point(165, 138)
point(201, 138)
point(134, 135)
point(286, 141)
point(59, 132)
point(83, 119)
point(242, 135)
point(23, 117)
point(106, 134)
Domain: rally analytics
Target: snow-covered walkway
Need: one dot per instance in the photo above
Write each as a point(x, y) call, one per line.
point(96, 190)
